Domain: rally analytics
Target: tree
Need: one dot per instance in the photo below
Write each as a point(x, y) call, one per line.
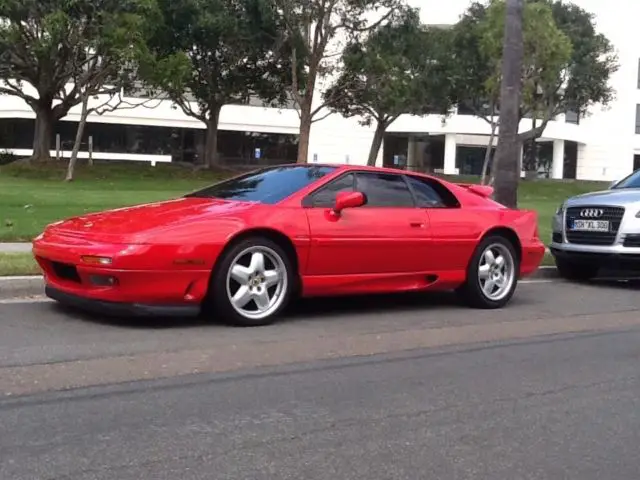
point(315, 28)
point(63, 50)
point(585, 80)
point(477, 63)
point(396, 70)
point(210, 53)
point(113, 102)
point(508, 152)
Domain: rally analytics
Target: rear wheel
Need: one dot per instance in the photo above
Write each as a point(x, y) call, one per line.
point(492, 274)
point(576, 271)
point(252, 284)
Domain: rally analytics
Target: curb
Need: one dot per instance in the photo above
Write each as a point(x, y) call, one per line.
point(545, 272)
point(27, 286)
point(15, 287)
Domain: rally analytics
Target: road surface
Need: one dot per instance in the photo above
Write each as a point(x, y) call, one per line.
point(393, 388)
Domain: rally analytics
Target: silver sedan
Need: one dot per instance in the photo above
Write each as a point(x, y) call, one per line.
point(599, 230)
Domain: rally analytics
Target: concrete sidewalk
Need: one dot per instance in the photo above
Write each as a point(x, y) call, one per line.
point(15, 247)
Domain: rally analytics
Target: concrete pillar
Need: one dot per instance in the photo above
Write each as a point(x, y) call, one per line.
point(411, 153)
point(450, 154)
point(557, 165)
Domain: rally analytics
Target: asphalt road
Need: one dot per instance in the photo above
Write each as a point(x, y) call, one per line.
point(386, 388)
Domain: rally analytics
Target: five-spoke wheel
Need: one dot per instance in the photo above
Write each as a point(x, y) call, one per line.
point(496, 272)
point(252, 284)
point(492, 274)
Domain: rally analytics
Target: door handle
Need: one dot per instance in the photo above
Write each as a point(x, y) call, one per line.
point(416, 224)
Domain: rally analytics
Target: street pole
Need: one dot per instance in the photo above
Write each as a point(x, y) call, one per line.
point(507, 162)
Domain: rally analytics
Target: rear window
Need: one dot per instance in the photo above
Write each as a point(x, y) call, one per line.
point(268, 186)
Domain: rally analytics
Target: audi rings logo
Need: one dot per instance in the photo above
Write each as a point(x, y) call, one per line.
point(591, 212)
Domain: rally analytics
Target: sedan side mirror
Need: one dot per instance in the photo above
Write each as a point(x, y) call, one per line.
point(348, 200)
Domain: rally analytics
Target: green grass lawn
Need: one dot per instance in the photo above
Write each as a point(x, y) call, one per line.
point(18, 264)
point(31, 197)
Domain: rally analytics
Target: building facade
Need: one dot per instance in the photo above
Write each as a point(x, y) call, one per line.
point(605, 145)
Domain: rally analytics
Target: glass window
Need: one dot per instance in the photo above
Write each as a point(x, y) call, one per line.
point(426, 196)
point(632, 181)
point(326, 196)
point(384, 190)
point(265, 186)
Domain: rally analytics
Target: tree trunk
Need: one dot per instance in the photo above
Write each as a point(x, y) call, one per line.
point(487, 153)
point(78, 141)
point(43, 134)
point(376, 143)
point(507, 161)
point(305, 131)
point(211, 142)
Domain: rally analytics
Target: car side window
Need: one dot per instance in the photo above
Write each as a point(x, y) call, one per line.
point(326, 196)
point(384, 190)
point(431, 194)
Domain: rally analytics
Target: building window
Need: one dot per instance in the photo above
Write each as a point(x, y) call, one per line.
point(572, 117)
point(638, 119)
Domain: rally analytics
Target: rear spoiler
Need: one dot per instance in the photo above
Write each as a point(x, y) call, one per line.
point(483, 190)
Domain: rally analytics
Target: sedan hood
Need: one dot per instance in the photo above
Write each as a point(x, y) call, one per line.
point(622, 196)
point(125, 225)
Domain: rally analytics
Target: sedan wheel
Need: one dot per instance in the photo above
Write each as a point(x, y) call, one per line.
point(252, 284)
point(492, 274)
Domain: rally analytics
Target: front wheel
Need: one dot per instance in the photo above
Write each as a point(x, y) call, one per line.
point(492, 274)
point(253, 283)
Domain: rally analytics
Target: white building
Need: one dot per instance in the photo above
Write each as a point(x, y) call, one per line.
point(603, 146)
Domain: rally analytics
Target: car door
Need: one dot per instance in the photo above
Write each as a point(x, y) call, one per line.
point(386, 235)
point(453, 231)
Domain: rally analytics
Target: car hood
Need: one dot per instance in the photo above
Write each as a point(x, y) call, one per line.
point(133, 224)
point(615, 197)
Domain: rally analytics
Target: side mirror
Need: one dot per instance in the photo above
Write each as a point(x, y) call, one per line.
point(348, 200)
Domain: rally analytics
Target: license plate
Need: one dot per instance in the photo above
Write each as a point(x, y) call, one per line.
point(591, 225)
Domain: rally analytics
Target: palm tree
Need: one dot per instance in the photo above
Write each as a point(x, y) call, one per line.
point(507, 162)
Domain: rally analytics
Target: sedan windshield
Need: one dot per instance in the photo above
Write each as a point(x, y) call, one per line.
point(632, 181)
point(269, 185)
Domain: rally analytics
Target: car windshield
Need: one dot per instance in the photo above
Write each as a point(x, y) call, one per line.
point(269, 185)
point(632, 181)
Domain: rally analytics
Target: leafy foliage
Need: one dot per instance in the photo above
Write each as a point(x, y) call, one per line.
point(397, 69)
point(63, 48)
point(210, 53)
point(567, 64)
point(316, 30)
point(592, 62)
point(478, 46)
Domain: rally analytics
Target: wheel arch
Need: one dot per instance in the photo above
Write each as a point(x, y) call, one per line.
point(272, 234)
point(510, 235)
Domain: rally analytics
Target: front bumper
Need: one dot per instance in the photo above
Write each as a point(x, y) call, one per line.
point(603, 257)
point(120, 309)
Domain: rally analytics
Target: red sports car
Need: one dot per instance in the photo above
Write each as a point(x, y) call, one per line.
point(242, 248)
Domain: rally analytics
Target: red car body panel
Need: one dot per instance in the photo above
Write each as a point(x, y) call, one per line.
point(164, 253)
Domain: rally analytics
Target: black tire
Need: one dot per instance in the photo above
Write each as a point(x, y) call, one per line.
point(472, 292)
point(218, 301)
point(579, 272)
